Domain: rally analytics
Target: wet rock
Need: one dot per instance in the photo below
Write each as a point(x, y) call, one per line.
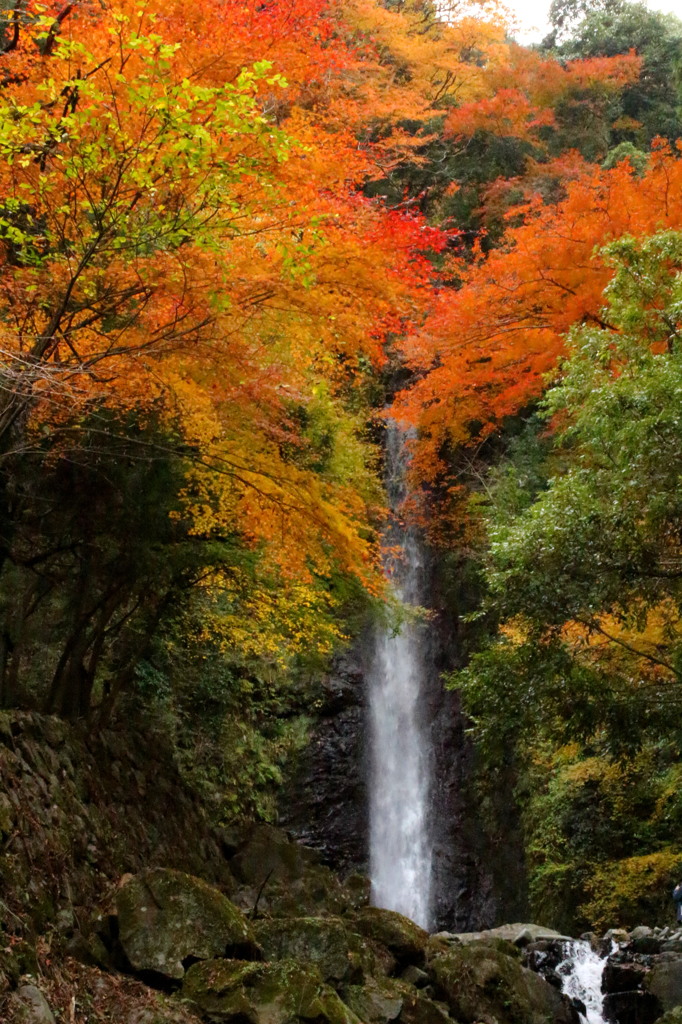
point(481, 984)
point(405, 940)
point(631, 1008)
point(236, 992)
point(617, 936)
point(622, 977)
point(167, 917)
point(325, 805)
point(31, 1006)
point(324, 942)
point(647, 944)
point(544, 956)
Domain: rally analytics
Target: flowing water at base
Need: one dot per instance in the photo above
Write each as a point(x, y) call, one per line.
point(581, 974)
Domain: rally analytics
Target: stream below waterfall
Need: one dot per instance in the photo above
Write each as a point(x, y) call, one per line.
point(400, 772)
point(581, 973)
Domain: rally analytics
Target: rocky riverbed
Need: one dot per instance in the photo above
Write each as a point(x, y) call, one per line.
point(122, 903)
point(286, 943)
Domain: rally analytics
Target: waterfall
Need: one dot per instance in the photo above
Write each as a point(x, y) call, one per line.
point(400, 848)
point(581, 973)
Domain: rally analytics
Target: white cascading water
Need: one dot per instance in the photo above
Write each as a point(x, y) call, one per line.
point(400, 847)
point(581, 974)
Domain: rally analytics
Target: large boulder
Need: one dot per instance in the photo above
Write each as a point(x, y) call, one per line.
point(480, 983)
point(405, 940)
point(375, 1002)
point(30, 1006)
point(322, 941)
point(664, 981)
point(281, 879)
point(520, 934)
point(632, 1007)
point(380, 1001)
point(420, 1009)
point(622, 977)
point(167, 917)
point(236, 992)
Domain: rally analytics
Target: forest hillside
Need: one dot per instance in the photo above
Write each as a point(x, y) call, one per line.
point(236, 240)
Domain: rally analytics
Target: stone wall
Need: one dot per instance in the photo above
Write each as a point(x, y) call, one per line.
point(78, 811)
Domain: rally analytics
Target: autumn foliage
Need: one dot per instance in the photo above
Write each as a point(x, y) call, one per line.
point(489, 346)
point(187, 248)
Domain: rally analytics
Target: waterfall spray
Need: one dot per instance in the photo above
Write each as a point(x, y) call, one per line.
point(581, 973)
point(400, 844)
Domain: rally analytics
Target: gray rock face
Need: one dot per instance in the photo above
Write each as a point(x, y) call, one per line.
point(31, 1006)
point(166, 917)
point(664, 981)
point(325, 804)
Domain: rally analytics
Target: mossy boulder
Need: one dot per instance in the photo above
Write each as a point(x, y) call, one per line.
point(405, 940)
point(671, 1017)
point(267, 854)
point(419, 1009)
point(317, 893)
point(287, 992)
point(324, 942)
point(380, 1001)
point(375, 1002)
point(167, 917)
point(664, 981)
point(285, 879)
point(479, 983)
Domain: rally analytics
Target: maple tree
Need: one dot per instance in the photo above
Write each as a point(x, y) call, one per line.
point(489, 346)
point(172, 253)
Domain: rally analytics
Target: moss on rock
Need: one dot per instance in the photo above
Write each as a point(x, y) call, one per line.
point(405, 940)
point(166, 917)
point(479, 983)
point(283, 993)
point(324, 942)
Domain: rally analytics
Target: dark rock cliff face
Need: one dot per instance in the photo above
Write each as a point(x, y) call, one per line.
point(325, 803)
point(478, 857)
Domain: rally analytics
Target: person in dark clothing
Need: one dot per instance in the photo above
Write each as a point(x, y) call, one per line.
point(677, 896)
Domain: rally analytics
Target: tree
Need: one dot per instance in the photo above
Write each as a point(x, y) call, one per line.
point(649, 106)
point(489, 346)
point(587, 578)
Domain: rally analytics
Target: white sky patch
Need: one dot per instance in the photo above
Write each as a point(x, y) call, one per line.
point(532, 16)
